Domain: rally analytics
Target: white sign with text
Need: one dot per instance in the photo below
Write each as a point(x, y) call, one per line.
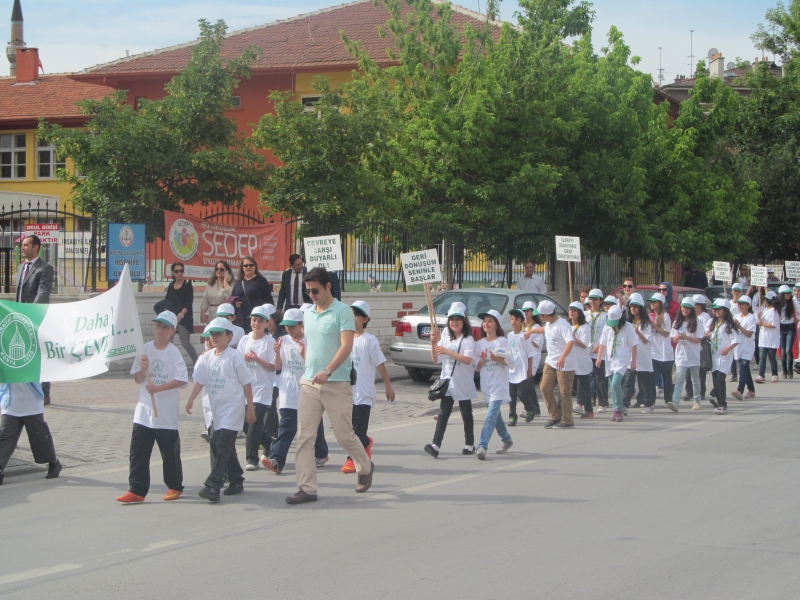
point(758, 276)
point(324, 251)
point(568, 248)
point(793, 270)
point(722, 271)
point(421, 267)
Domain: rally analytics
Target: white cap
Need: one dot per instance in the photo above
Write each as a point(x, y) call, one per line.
point(361, 306)
point(490, 313)
point(744, 300)
point(457, 310)
point(306, 306)
point(293, 316)
point(688, 302)
point(167, 318)
point(737, 287)
point(611, 300)
point(658, 296)
point(546, 307)
point(226, 310)
point(532, 306)
point(596, 293)
point(797, 285)
point(770, 295)
point(784, 289)
point(217, 324)
point(636, 298)
point(700, 299)
point(614, 315)
point(721, 303)
point(770, 270)
point(265, 311)
point(576, 306)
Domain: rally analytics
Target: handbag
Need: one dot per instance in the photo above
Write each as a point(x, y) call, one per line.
point(438, 389)
point(706, 361)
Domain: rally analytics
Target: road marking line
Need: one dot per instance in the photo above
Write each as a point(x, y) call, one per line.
point(40, 572)
point(164, 544)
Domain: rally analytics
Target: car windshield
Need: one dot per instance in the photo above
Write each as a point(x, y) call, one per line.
point(476, 302)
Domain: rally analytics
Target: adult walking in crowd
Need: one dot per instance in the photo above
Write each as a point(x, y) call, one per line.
point(218, 290)
point(628, 289)
point(787, 331)
point(293, 293)
point(35, 283)
point(530, 282)
point(252, 289)
point(181, 293)
point(325, 387)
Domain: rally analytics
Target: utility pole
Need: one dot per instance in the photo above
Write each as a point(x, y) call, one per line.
point(691, 53)
point(660, 68)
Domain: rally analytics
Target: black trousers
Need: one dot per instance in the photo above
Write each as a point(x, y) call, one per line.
point(690, 390)
point(445, 408)
point(718, 391)
point(38, 437)
point(361, 422)
point(256, 434)
point(224, 459)
point(647, 387)
point(525, 392)
point(665, 368)
point(600, 382)
point(585, 391)
point(169, 444)
point(273, 421)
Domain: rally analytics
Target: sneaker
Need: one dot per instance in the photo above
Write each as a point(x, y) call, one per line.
point(369, 447)
point(672, 406)
point(538, 411)
point(467, 450)
point(784, 376)
point(617, 416)
point(481, 453)
point(130, 498)
point(349, 466)
point(697, 406)
point(563, 425)
point(233, 489)
point(577, 409)
point(738, 395)
point(209, 494)
point(601, 409)
point(733, 379)
point(512, 420)
point(271, 465)
point(170, 495)
point(625, 410)
point(774, 379)
point(320, 462)
point(204, 435)
point(647, 410)
point(552, 423)
point(301, 497)
point(797, 367)
point(365, 481)
point(759, 379)
point(637, 405)
point(433, 451)
point(54, 470)
point(504, 447)
point(251, 467)
point(530, 415)
point(720, 410)
point(241, 435)
point(659, 392)
point(750, 395)
point(587, 415)
point(713, 402)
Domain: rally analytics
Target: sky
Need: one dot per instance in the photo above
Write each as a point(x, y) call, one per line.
point(78, 34)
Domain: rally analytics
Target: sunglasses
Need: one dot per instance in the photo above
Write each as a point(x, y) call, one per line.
point(627, 285)
point(177, 271)
point(663, 290)
point(249, 266)
point(223, 269)
point(313, 291)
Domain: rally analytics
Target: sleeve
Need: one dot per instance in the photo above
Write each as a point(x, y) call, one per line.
point(179, 367)
point(375, 352)
point(266, 290)
point(241, 344)
point(137, 364)
point(45, 285)
point(242, 372)
point(269, 355)
point(752, 324)
point(282, 291)
point(469, 350)
point(674, 332)
point(200, 373)
point(566, 332)
point(528, 351)
point(187, 295)
point(633, 339)
point(441, 358)
point(345, 319)
point(204, 300)
point(585, 335)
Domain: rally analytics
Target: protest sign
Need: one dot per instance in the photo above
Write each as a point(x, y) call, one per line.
point(722, 271)
point(758, 276)
point(568, 248)
point(793, 270)
point(324, 251)
point(421, 267)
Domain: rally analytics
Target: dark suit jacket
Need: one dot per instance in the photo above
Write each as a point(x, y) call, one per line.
point(285, 294)
point(38, 284)
point(336, 289)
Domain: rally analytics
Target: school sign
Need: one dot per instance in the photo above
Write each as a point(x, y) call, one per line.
point(61, 342)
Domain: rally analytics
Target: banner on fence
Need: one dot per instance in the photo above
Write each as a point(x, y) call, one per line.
point(758, 276)
point(568, 248)
point(200, 244)
point(324, 251)
point(722, 271)
point(793, 270)
point(421, 267)
point(125, 245)
point(62, 342)
point(46, 232)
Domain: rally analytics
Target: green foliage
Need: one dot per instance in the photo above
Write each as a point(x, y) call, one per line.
point(165, 154)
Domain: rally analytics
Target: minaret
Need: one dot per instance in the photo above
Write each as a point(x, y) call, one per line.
point(17, 37)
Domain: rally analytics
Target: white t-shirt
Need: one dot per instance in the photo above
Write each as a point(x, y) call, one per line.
point(224, 377)
point(660, 345)
point(537, 340)
point(705, 318)
point(747, 345)
point(264, 349)
point(784, 319)
point(494, 376)
point(644, 357)
point(583, 357)
point(238, 334)
point(292, 368)
point(21, 399)
point(165, 365)
point(461, 376)
point(557, 335)
point(618, 356)
point(687, 354)
point(770, 337)
point(721, 339)
point(734, 309)
point(521, 351)
point(366, 357)
point(596, 322)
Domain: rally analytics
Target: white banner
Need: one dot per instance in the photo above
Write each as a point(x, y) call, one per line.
point(758, 276)
point(722, 271)
point(421, 267)
point(568, 248)
point(793, 270)
point(324, 251)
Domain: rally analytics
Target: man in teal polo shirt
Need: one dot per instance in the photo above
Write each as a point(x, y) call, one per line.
point(325, 387)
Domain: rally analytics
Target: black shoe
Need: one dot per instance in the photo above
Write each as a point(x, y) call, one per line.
point(552, 423)
point(233, 489)
point(565, 426)
point(713, 401)
point(637, 405)
point(431, 450)
point(54, 470)
point(512, 420)
point(301, 497)
point(209, 494)
point(538, 411)
point(468, 451)
point(529, 416)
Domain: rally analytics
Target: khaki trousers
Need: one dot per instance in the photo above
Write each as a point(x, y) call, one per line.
point(335, 398)
point(548, 384)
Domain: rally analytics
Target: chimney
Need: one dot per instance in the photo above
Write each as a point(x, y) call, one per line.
point(27, 65)
point(17, 38)
point(716, 67)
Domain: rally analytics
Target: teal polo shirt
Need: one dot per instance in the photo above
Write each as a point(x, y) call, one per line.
point(323, 332)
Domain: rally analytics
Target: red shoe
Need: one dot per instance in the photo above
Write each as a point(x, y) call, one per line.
point(349, 466)
point(270, 464)
point(369, 447)
point(172, 495)
point(130, 498)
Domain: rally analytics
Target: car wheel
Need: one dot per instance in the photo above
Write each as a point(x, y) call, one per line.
point(419, 375)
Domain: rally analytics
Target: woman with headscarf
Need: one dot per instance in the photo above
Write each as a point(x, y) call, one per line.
point(671, 303)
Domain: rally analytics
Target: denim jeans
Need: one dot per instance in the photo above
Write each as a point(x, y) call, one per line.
point(762, 361)
point(287, 429)
point(745, 375)
point(493, 421)
point(680, 379)
point(615, 387)
point(787, 347)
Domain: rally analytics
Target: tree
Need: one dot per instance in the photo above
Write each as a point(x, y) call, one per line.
point(133, 162)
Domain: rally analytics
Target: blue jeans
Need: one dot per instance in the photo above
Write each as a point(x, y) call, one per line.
point(287, 429)
point(763, 354)
point(680, 379)
point(787, 347)
point(493, 422)
point(615, 387)
point(745, 375)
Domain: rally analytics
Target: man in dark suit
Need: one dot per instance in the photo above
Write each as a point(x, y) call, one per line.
point(293, 293)
point(35, 283)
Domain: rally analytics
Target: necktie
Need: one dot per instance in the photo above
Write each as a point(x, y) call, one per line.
point(22, 280)
point(296, 301)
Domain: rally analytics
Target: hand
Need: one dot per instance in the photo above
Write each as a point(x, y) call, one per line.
point(320, 378)
point(180, 316)
point(530, 374)
point(145, 363)
point(436, 336)
point(250, 415)
point(484, 354)
point(725, 352)
point(389, 393)
point(189, 406)
point(203, 317)
point(598, 362)
point(560, 363)
point(278, 343)
point(250, 356)
point(494, 357)
point(152, 388)
point(633, 367)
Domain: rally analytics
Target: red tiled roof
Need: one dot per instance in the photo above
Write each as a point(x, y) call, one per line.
point(310, 40)
point(51, 97)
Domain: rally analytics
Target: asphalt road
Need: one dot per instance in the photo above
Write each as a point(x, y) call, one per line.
point(687, 505)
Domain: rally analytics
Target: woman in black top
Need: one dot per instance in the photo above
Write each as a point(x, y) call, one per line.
point(181, 293)
point(252, 288)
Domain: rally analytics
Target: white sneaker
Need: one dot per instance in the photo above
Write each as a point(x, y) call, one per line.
point(481, 453)
point(600, 409)
point(720, 411)
point(774, 379)
point(659, 392)
point(672, 406)
point(251, 467)
point(697, 406)
point(625, 410)
point(738, 395)
point(577, 409)
point(504, 447)
point(647, 410)
point(320, 462)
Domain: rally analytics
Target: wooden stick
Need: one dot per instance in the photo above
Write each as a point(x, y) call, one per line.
point(152, 397)
point(429, 300)
point(724, 289)
point(569, 271)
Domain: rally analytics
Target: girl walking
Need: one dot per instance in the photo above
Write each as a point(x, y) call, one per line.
point(661, 346)
point(787, 330)
point(687, 333)
point(769, 335)
point(582, 333)
point(644, 359)
point(723, 338)
point(746, 325)
point(618, 346)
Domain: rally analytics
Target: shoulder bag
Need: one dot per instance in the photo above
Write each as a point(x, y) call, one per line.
point(438, 390)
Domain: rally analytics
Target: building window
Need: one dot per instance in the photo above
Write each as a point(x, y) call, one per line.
point(83, 224)
point(12, 156)
point(47, 161)
point(236, 102)
point(308, 102)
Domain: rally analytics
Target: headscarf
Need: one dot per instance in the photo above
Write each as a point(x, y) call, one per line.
point(669, 293)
